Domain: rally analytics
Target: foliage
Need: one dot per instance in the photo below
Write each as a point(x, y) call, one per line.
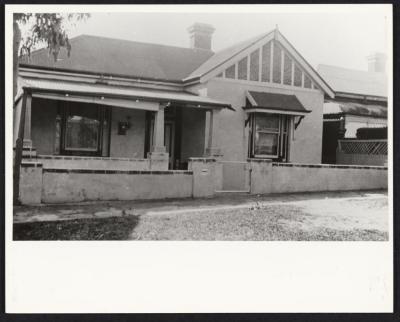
point(47, 29)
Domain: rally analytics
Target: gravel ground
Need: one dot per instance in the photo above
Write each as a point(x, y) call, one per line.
point(362, 216)
point(311, 220)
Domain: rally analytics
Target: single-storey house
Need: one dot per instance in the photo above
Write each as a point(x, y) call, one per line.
point(123, 99)
point(360, 102)
point(124, 120)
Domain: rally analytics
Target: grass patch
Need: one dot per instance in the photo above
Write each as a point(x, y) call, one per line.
point(113, 228)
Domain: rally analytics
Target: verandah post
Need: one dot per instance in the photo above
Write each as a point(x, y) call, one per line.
point(26, 100)
point(212, 146)
point(158, 155)
point(158, 138)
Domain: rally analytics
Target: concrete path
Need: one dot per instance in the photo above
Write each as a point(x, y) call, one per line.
point(320, 203)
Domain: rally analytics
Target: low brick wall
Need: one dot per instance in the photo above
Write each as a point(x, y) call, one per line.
point(93, 163)
point(42, 184)
point(62, 186)
point(269, 177)
point(46, 183)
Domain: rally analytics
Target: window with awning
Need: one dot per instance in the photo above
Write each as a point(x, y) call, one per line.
point(271, 118)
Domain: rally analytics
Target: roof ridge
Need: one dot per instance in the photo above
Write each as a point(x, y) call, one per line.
point(349, 69)
point(140, 42)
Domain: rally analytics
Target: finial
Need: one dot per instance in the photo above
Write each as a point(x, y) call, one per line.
point(276, 31)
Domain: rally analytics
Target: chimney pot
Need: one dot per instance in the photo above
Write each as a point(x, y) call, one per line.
point(377, 63)
point(201, 35)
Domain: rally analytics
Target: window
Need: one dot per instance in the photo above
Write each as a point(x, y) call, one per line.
point(82, 129)
point(269, 136)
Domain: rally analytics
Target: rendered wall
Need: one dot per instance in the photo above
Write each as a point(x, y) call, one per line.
point(30, 186)
point(130, 145)
point(360, 159)
point(233, 136)
point(207, 176)
point(93, 163)
point(60, 186)
point(268, 177)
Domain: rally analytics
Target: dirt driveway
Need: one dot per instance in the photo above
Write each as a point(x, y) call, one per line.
point(322, 216)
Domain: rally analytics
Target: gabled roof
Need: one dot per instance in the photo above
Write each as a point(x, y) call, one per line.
point(224, 55)
point(353, 81)
point(109, 56)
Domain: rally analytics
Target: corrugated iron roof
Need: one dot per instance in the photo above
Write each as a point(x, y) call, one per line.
point(332, 107)
point(275, 101)
point(122, 57)
point(354, 81)
point(133, 92)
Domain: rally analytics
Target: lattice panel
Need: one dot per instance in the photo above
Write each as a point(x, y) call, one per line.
point(372, 147)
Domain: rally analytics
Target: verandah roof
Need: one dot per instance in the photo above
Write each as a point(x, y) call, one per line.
point(274, 103)
point(357, 109)
point(128, 97)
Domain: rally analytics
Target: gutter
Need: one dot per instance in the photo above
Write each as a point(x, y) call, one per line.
point(121, 96)
point(107, 76)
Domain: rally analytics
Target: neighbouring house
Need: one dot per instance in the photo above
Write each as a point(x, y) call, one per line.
point(360, 102)
point(121, 119)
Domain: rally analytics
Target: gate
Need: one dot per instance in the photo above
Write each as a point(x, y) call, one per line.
point(235, 176)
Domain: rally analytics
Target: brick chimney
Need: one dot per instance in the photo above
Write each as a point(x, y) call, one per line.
point(200, 35)
point(377, 63)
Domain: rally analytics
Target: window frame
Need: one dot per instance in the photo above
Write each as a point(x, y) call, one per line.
point(104, 117)
point(283, 142)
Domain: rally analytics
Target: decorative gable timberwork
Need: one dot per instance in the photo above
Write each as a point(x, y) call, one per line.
point(270, 63)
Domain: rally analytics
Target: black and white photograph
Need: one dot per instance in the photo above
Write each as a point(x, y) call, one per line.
point(263, 123)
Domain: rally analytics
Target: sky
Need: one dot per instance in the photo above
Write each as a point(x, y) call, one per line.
point(336, 35)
